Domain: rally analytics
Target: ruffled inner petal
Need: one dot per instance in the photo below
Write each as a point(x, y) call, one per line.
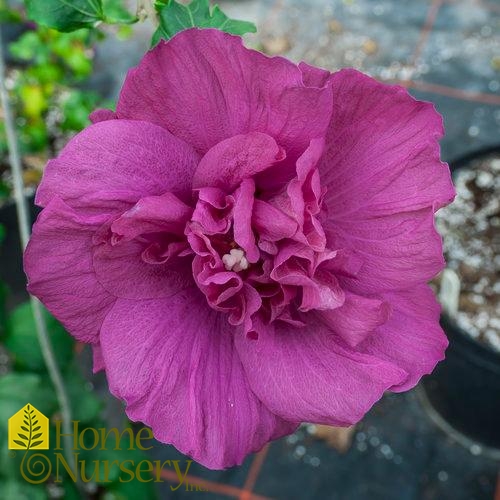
point(153, 214)
point(240, 157)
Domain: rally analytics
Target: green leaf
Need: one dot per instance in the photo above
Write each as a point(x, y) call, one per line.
point(20, 443)
point(34, 137)
point(175, 17)
point(22, 341)
point(46, 73)
point(25, 47)
point(76, 106)
point(78, 61)
point(16, 389)
point(4, 187)
point(9, 15)
point(130, 489)
point(234, 26)
point(86, 405)
point(21, 489)
point(34, 101)
point(3, 299)
point(70, 491)
point(116, 13)
point(65, 15)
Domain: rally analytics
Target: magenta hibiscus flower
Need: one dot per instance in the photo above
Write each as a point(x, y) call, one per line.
point(246, 244)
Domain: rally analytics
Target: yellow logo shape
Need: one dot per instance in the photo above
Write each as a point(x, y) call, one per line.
point(28, 430)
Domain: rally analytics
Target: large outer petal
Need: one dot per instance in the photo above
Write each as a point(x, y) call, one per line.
point(204, 87)
point(384, 178)
point(412, 337)
point(58, 263)
point(382, 151)
point(114, 163)
point(174, 363)
point(306, 374)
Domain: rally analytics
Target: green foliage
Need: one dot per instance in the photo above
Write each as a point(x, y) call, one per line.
point(133, 489)
point(4, 188)
point(175, 17)
point(3, 153)
point(75, 106)
point(21, 490)
point(55, 58)
point(3, 291)
point(22, 341)
point(71, 15)
point(8, 15)
point(115, 13)
point(65, 15)
point(16, 389)
point(86, 405)
point(3, 306)
point(48, 104)
point(46, 47)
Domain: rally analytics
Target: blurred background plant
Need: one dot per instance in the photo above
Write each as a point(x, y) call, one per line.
point(51, 46)
point(47, 75)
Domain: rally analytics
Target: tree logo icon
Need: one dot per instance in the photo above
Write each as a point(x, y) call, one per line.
point(28, 430)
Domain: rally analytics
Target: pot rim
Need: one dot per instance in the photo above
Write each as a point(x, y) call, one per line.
point(474, 446)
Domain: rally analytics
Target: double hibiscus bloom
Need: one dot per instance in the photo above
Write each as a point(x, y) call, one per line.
point(246, 243)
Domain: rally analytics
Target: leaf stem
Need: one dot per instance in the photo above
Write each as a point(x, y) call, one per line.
point(24, 231)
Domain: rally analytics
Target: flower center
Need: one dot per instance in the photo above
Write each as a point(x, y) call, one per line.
point(235, 260)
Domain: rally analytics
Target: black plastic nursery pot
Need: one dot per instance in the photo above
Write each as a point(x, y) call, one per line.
point(464, 389)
